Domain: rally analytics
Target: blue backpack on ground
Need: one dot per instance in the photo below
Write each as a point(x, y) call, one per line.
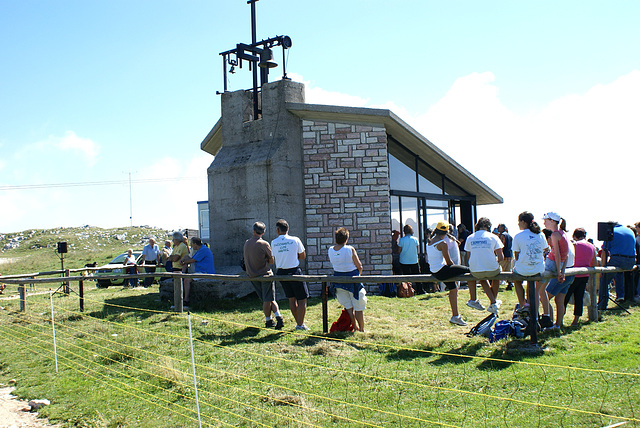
point(504, 329)
point(388, 290)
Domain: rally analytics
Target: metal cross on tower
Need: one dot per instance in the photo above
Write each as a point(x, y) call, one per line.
point(258, 54)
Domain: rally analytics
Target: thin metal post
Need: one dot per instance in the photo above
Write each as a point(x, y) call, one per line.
point(22, 290)
point(325, 308)
point(254, 66)
point(284, 65)
point(66, 283)
point(533, 311)
point(177, 294)
point(130, 202)
point(81, 293)
point(53, 328)
point(224, 71)
point(195, 379)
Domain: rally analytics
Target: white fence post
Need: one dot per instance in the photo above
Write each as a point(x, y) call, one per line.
point(193, 365)
point(53, 327)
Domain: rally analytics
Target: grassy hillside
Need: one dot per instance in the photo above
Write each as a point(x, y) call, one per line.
point(35, 250)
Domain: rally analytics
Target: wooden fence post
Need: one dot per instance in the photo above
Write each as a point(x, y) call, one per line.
point(23, 296)
point(592, 309)
point(325, 308)
point(177, 294)
point(533, 311)
point(81, 293)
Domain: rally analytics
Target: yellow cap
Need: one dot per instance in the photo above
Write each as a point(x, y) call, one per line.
point(442, 225)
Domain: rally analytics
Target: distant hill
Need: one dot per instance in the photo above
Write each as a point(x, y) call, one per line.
point(34, 250)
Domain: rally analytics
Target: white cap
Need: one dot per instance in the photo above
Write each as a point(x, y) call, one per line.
point(553, 216)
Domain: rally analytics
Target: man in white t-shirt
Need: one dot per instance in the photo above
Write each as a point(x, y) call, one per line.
point(288, 251)
point(150, 258)
point(485, 255)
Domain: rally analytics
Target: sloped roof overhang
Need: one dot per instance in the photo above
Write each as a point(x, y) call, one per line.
point(407, 136)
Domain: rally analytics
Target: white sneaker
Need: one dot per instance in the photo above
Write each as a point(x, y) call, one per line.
point(302, 327)
point(457, 320)
point(475, 304)
point(498, 303)
point(493, 308)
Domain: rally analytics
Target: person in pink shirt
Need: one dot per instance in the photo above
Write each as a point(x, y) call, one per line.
point(585, 257)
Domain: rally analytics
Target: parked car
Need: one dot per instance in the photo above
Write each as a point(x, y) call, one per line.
point(103, 273)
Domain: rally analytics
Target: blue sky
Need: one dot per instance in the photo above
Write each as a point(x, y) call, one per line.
point(90, 91)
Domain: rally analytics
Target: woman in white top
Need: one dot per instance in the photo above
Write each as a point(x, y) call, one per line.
point(345, 262)
point(485, 255)
point(442, 268)
point(528, 247)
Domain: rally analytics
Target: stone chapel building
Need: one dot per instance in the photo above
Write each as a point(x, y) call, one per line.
point(321, 167)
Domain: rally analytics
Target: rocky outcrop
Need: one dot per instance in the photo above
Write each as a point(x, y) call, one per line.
point(205, 291)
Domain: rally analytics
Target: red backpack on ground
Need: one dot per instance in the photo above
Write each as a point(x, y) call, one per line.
point(343, 323)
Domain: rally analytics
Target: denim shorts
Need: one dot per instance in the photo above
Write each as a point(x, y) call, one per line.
point(554, 287)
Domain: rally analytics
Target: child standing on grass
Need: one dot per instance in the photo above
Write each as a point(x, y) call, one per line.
point(442, 268)
point(345, 262)
point(131, 268)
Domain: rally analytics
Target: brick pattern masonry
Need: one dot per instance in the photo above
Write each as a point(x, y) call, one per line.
point(346, 178)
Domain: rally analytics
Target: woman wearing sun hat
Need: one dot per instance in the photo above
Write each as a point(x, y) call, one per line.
point(557, 261)
point(442, 268)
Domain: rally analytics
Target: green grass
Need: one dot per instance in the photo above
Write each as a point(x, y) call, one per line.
point(129, 367)
point(125, 362)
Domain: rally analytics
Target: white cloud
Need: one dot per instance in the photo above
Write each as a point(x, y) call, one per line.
point(65, 150)
point(71, 142)
point(574, 156)
point(316, 95)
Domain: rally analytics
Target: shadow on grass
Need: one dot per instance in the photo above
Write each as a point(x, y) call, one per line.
point(147, 305)
point(246, 335)
point(452, 356)
point(509, 352)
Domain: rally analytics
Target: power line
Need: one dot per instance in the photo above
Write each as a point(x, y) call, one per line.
point(95, 183)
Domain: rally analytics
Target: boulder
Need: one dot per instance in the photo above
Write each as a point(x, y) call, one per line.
point(37, 404)
point(204, 291)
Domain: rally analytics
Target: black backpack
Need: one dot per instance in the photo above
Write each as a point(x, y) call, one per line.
point(483, 328)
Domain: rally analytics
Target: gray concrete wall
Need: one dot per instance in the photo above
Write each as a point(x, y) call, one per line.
point(258, 172)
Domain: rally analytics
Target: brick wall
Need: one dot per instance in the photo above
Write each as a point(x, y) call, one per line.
point(346, 179)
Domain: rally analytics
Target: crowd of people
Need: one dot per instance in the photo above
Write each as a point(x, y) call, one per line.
point(483, 253)
point(532, 252)
point(179, 257)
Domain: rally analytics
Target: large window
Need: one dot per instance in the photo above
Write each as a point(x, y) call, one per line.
point(421, 196)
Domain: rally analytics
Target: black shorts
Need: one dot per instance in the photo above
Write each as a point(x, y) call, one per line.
point(298, 289)
point(451, 271)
